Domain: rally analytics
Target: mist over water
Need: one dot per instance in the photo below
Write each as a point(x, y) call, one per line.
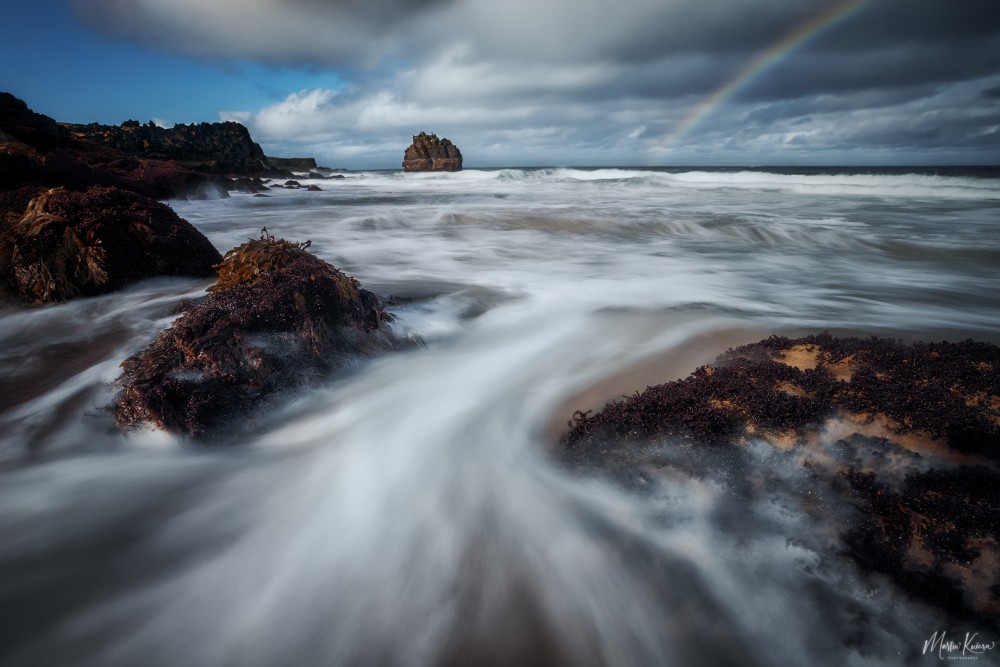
point(413, 510)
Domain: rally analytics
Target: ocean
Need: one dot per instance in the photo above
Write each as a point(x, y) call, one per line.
point(414, 509)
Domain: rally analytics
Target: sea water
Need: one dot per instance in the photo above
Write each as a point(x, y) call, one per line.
point(414, 509)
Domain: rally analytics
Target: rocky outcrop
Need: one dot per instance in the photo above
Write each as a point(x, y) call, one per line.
point(185, 161)
point(292, 163)
point(902, 441)
point(19, 122)
point(58, 244)
point(37, 151)
point(168, 178)
point(429, 153)
point(217, 148)
point(277, 318)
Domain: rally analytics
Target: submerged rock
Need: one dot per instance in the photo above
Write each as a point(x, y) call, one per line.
point(906, 435)
point(58, 244)
point(429, 153)
point(276, 318)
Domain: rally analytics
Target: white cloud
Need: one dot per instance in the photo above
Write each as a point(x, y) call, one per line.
point(236, 116)
point(588, 81)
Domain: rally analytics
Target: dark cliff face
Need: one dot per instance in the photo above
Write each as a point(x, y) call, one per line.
point(19, 122)
point(206, 147)
point(429, 153)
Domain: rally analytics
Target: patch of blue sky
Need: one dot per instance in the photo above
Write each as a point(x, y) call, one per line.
point(112, 80)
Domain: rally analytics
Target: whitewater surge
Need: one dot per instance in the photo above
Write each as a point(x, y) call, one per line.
point(415, 510)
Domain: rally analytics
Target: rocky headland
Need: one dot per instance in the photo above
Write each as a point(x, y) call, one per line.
point(213, 148)
point(204, 160)
point(430, 153)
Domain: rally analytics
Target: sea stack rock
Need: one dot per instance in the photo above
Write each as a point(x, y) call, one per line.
point(429, 153)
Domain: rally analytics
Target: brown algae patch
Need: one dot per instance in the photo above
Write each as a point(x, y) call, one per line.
point(803, 357)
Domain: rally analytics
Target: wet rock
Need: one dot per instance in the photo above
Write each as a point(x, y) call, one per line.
point(906, 435)
point(58, 244)
point(22, 165)
point(314, 188)
point(429, 153)
point(65, 169)
point(170, 179)
point(292, 163)
point(247, 185)
point(276, 319)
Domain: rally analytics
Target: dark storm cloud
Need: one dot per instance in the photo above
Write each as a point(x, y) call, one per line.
point(892, 67)
point(630, 77)
point(941, 39)
point(916, 23)
point(374, 11)
point(305, 32)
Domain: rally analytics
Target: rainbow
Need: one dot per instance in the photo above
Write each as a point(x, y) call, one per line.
point(793, 40)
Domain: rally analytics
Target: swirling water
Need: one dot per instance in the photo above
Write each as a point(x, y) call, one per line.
point(413, 510)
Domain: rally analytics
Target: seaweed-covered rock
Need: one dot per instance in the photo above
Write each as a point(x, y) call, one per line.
point(429, 153)
point(907, 435)
point(58, 244)
point(276, 318)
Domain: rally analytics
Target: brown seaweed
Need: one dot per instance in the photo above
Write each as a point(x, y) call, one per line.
point(277, 318)
point(847, 409)
point(65, 244)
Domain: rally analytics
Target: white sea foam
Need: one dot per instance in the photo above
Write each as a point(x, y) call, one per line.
point(912, 185)
point(411, 511)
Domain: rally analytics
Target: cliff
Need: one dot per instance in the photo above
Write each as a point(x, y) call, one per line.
point(217, 148)
point(429, 153)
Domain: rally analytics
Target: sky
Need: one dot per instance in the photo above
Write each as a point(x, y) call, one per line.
point(531, 82)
